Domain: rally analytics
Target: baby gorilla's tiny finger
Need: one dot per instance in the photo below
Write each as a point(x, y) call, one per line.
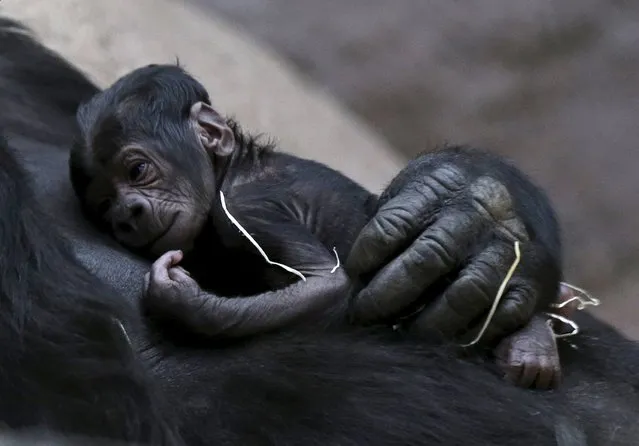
point(165, 259)
point(183, 270)
point(179, 274)
point(172, 258)
point(545, 375)
point(177, 257)
point(529, 374)
point(513, 372)
point(557, 378)
point(159, 269)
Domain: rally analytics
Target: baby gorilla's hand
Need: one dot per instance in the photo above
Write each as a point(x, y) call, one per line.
point(170, 290)
point(530, 357)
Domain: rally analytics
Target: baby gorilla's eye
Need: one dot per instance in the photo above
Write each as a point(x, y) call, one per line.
point(137, 170)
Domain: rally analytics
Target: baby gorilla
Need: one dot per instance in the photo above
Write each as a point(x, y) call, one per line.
point(156, 159)
point(152, 167)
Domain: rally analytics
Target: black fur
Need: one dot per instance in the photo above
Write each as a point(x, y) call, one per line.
point(45, 120)
point(65, 361)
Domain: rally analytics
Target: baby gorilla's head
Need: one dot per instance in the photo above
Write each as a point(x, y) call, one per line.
point(145, 167)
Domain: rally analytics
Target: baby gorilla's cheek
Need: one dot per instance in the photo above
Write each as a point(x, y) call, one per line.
point(184, 228)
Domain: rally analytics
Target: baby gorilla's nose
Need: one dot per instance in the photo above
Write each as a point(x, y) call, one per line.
point(137, 209)
point(126, 217)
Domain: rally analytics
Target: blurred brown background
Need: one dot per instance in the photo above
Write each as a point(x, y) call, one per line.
point(553, 85)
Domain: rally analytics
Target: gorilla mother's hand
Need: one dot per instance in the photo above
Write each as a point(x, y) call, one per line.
point(442, 242)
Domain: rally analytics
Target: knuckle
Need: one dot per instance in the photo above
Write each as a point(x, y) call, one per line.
point(442, 182)
point(452, 300)
point(515, 311)
point(396, 220)
point(477, 281)
point(492, 198)
point(513, 229)
point(486, 275)
point(415, 178)
point(437, 243)
point(500, 255)
point(494, 202)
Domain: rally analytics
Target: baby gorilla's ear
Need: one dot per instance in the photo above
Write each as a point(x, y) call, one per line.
point(213, 131)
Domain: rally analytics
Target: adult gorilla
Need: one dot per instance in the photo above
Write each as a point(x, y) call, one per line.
point(67, 365)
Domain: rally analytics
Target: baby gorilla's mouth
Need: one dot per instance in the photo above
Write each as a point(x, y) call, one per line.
point(163, 233)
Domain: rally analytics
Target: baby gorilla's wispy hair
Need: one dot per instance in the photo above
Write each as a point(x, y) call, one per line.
point(151, 103)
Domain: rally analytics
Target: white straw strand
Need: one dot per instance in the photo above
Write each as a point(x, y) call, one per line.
point(338, 262)
point(498, 297)
point(252, 240)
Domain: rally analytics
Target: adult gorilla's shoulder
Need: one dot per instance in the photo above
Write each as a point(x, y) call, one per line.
point(42, 110)
point(67, 365)
point(40, 94)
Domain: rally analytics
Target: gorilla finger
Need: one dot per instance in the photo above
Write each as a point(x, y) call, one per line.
point(514, 373)
point(467, 298)
point(557, 377)
point(515, 310)
point(170, 258)
point(528, 376)
point(546, 374)
point(396, 223)
point(399, 284)
point(400, 219)
point(183, 270)
point(159, 269)
point(457, 307)
point(179, 274)
point(175, 257)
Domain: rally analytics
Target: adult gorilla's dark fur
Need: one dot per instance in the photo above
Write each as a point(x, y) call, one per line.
point(76, 358)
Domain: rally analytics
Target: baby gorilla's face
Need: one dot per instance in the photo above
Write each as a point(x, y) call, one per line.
point(147, 204)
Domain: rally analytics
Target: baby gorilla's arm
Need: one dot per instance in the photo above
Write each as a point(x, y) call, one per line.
point(319, 299)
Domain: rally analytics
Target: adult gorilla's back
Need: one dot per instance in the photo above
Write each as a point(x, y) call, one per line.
point(352, 388)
